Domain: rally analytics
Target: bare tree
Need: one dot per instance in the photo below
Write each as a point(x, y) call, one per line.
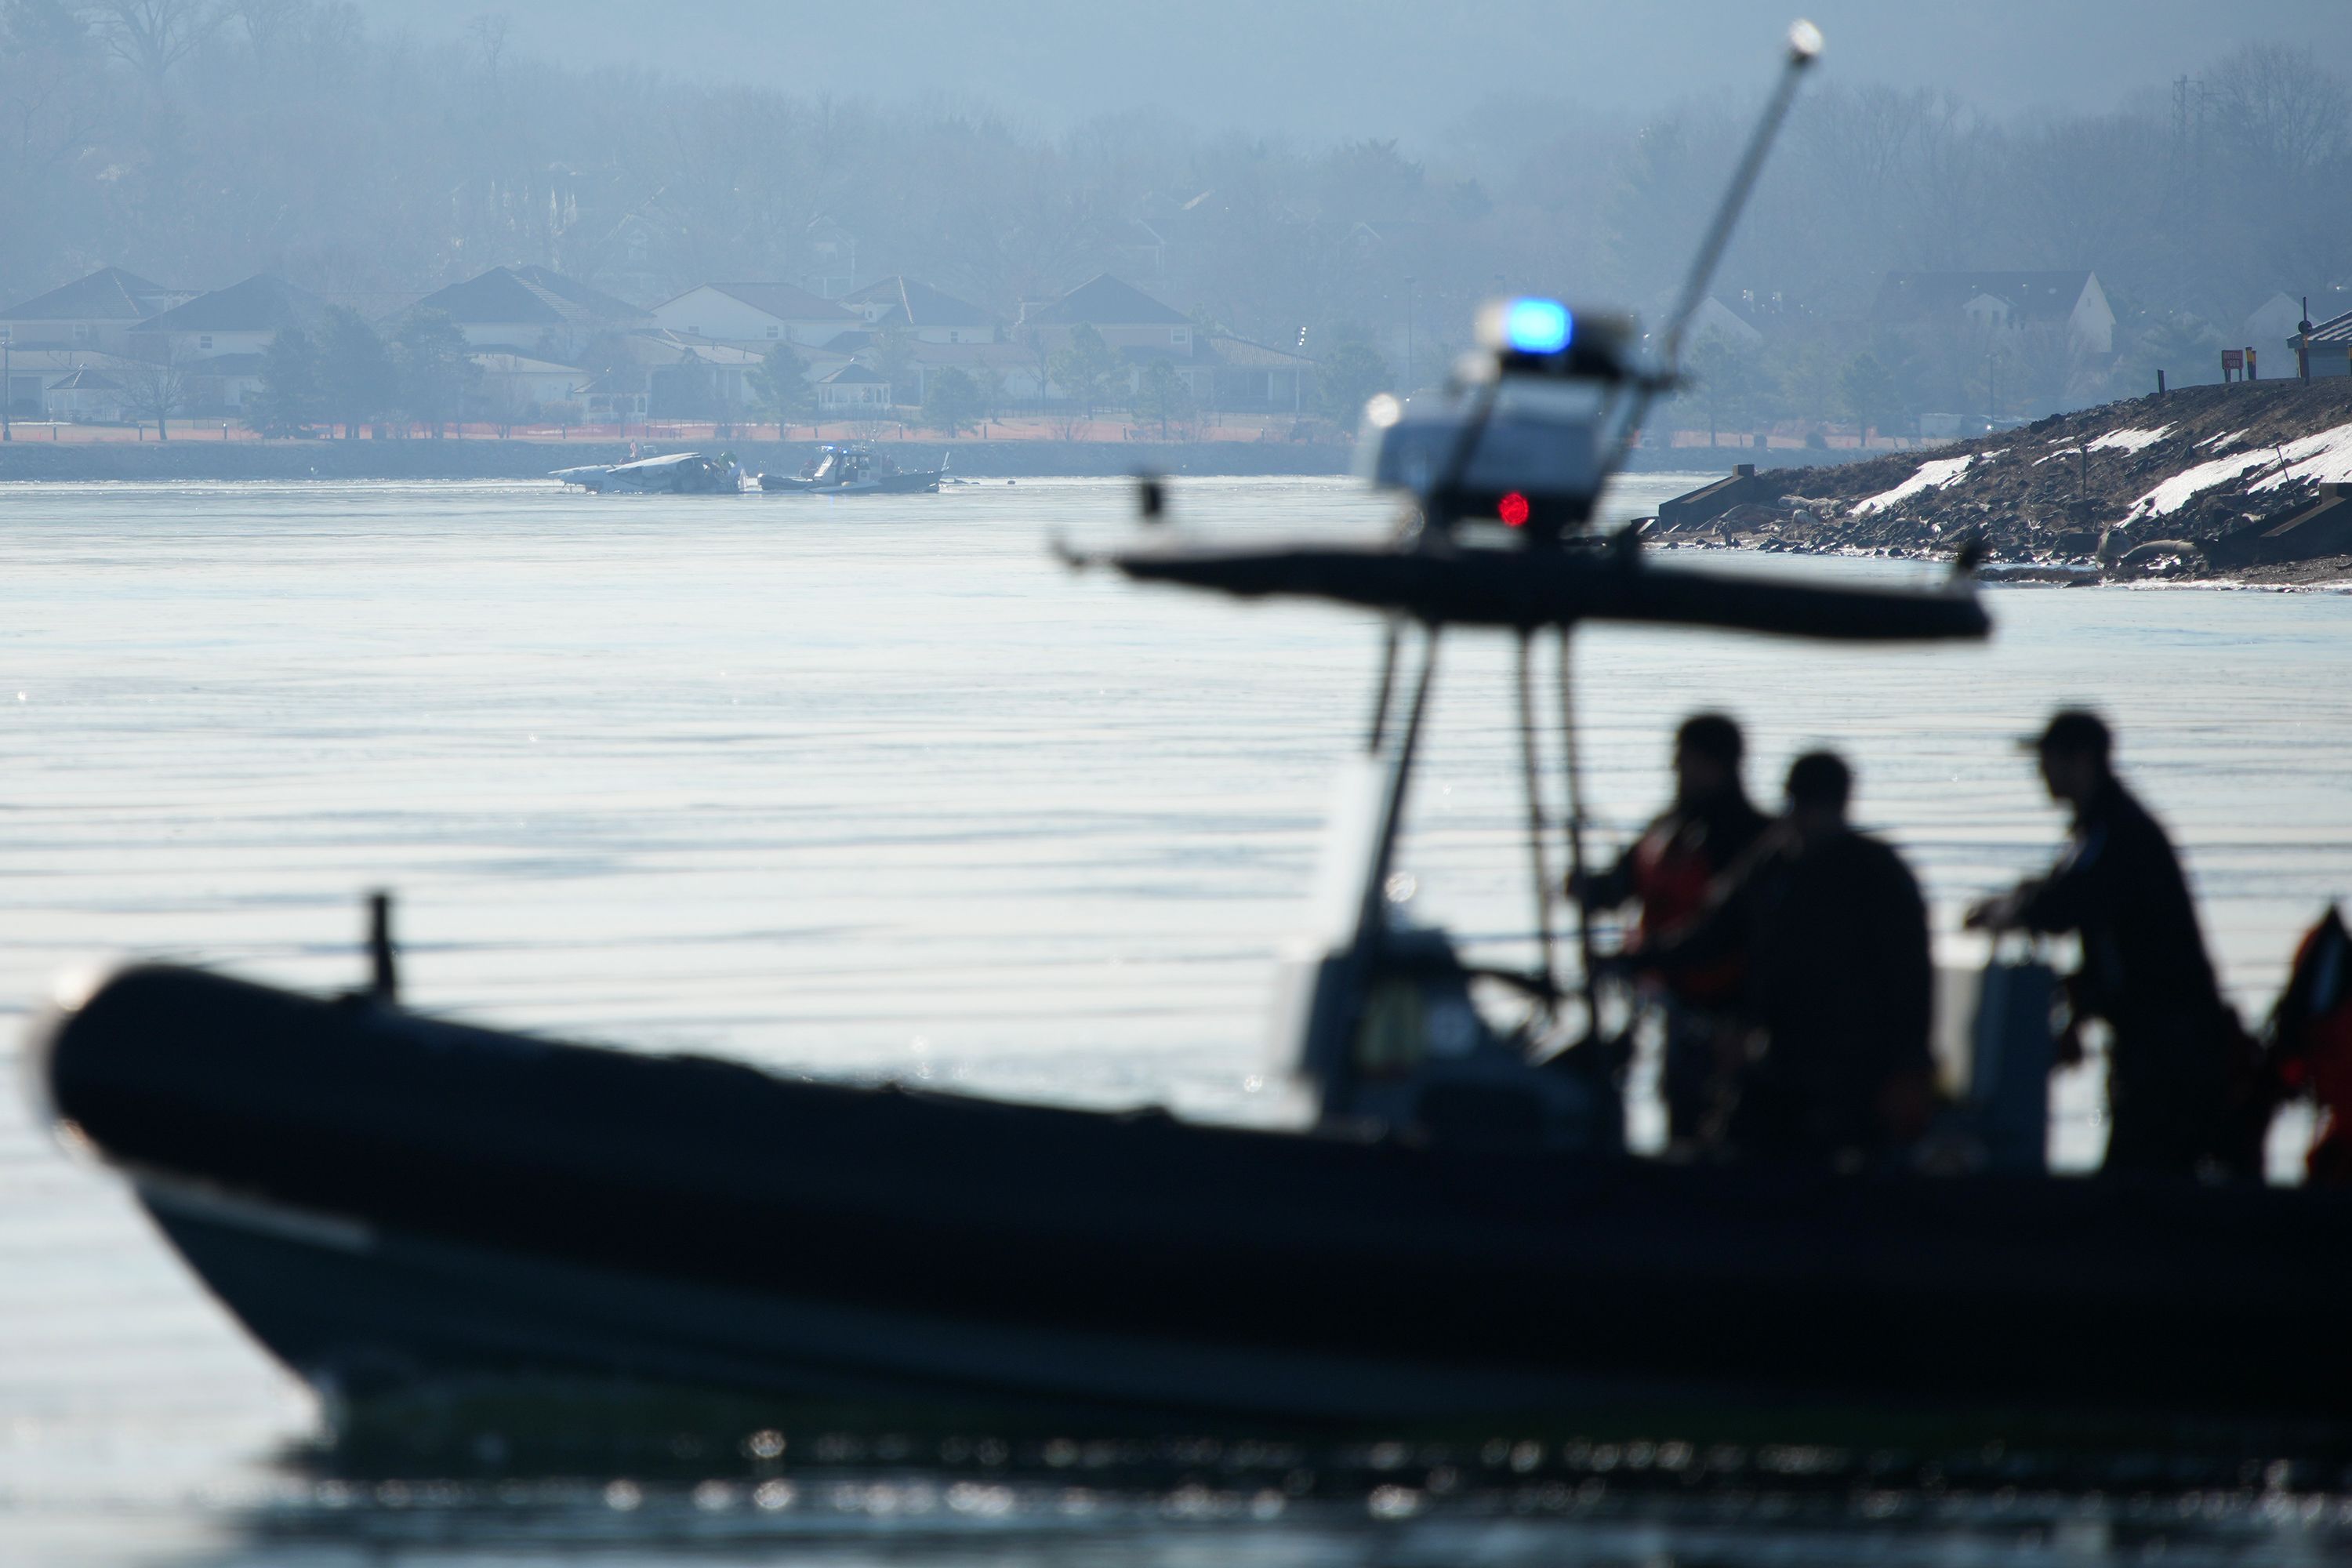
point(158, 386)
point(2279, 109)
point(153, 35)
point(489, 35)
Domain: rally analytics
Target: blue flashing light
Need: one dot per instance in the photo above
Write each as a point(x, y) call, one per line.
point(1537, 326)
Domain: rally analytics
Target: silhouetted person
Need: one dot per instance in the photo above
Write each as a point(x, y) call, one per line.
point(1840, 993)
point(1671, 869)
point(2119, 886)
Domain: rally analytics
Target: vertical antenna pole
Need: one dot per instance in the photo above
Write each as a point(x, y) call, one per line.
point(384, 977)
point(1531, 765)
point(1576, 838)
point(1385, 694)
point(1372, 916)
point(1634, 406)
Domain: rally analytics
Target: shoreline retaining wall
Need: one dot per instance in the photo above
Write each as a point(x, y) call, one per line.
point(194, 459)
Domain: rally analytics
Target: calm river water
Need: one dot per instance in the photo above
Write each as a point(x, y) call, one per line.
point(877, 789)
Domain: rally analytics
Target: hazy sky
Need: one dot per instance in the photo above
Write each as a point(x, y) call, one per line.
point(1326, 69)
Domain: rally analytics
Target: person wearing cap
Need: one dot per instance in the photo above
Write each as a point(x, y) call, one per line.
point(1839, 985)
point(1670, 870)
point(2119, 887)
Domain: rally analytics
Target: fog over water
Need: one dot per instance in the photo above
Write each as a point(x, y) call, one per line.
point(876, 788)
point(1332, 69)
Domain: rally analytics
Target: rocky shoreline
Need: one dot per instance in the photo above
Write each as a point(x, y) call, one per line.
point(2249, 483)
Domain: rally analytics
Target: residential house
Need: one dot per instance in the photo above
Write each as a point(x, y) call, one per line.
point(853, 390)
point(222, 337)
point(1127, 317)
point(1140, 249)
point(517, 386)
point(925, 312)
point(533, 310)
point(754, 314)
point(1995, 303)
point(99, 313)
point(2275, 320)
point(1716, 320)
point(35, 373)
point(617, 397)
point(1243, 377)
point(1013, 369)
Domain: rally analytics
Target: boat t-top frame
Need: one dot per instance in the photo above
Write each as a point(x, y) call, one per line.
point(1504, 474)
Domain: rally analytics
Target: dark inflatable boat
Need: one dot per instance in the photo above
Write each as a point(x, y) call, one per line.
point(386, 1199)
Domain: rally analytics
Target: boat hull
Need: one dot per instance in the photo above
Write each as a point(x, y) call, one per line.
point(385, 1199)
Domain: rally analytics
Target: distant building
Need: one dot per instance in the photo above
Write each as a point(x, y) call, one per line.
point(853, 390)
point(2273, 320)
point(99, 312)
point(1240, 377)
point(1994, 303)
point(533, 310)
point(84, 396)
point(1127, 317)
point(515, 386)
point(755, 314)
point(36, 373)
point(222, 335)
point(1715, 319)
point(932, 316)
point(2330, 347)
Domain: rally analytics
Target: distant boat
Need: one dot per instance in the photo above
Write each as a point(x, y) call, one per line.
point(853, 467)
point(679, 473)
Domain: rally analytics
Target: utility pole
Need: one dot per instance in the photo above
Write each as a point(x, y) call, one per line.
point(1408, 334)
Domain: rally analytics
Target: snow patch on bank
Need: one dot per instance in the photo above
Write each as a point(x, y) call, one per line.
point(2129, 440)
point(1932, 476)
point(2324, 458)
point(2227, 439)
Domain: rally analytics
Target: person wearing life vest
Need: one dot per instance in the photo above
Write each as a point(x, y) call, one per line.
point(1670, 872)
point(2119, 886)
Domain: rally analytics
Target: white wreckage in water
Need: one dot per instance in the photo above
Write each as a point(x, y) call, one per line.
point(679, 473)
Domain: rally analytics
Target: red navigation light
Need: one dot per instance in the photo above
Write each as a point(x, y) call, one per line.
point(1513, 511)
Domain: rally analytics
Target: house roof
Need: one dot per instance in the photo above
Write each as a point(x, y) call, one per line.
point(261, 304)
point(1103, 301)
point(781, 300)
point(528, 296)
point(1240, 353)
point(29, 360)
point(1905, 297)
point(87, 379)
point(2335, 330)
point(521, 364)
point(608, 307)
point(1012, 355)
point(918, 304)
point(109, 294)
point(852, 372)
point(661, 347)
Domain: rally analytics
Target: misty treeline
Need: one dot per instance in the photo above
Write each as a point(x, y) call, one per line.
point(199, 141)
